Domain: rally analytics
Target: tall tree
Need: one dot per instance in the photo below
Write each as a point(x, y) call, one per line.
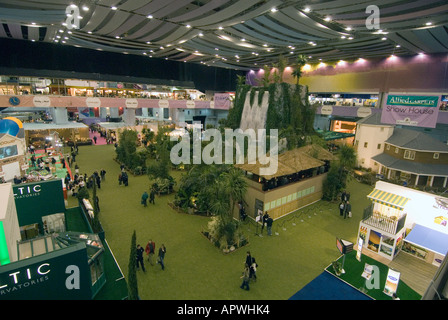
point(132, 272)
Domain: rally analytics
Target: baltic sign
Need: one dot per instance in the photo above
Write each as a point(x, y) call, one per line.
point(419, 111)
point(62, 274)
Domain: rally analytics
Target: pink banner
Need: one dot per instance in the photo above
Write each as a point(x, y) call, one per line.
point(222, 100)
point(43, 101)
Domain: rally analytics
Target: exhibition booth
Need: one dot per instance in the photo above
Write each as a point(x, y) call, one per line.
point(403, 219)
point(37, 246)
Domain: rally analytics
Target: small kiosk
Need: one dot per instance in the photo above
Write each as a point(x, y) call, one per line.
point(383, 225)
point(402, 218)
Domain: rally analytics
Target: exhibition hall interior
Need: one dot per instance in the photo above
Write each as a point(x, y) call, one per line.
point(250, 150)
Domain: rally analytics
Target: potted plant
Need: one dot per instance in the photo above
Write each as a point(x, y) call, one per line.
point(337, 267)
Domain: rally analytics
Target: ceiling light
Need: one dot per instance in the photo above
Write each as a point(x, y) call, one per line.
point(397, 46)
point(327, 19)
point(220, 28)
point(148, 42)
point(274, 10)
point(243, 39)
point(265, 45)
point(384, 38)
point(201, 34)
point(343, 37)
point(348, 29)
point(429, 23)
point(85, 8)
point(114, 8)
point(89, 32)
point(307, 9)
point(149, 16)
point(350, 38)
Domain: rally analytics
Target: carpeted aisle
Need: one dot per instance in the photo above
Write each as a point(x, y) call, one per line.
point(328, 287)
point(99, 140)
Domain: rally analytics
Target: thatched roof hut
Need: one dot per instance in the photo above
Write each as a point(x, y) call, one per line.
point(289, 162)
point(318, 152)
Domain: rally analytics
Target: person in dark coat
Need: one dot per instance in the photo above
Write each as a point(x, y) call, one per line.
point(139, 257)
point(145, 198)
point(162, 252)
point(348, 210)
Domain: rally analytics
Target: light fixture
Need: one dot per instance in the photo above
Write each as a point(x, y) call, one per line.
point(201, 34)
point(149, 16)
point(429, 23)
point(384, 38)
point(307, 9)
point(243, 39)
point(348, 29)
point(89, 32)
point(188, 26)
point(274, 10)
point(328, 19)
point(114, 8)
point(397, 46)
point(343, 37)
point(85, 8)
point(220, 28)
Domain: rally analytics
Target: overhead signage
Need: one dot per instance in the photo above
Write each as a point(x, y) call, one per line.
point(41, 101)
point(93, 102)
point(419, 111)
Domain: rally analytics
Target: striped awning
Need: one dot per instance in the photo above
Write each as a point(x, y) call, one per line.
point(388, 199)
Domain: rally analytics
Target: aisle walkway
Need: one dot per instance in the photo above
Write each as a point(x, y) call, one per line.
point(99, 140)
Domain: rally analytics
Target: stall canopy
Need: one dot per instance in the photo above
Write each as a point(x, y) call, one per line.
point(388, 199)
point(428, 239)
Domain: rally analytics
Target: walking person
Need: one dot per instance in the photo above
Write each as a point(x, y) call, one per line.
point(253, 270)
point(161, 258)
point(263, 221)
point(248, 258)
point(94, 139)
point(348, 210)
point(245, 277)
point(341, 209)
point(103, 174)
point(144, 198)
point(150, 250)
point(152, 196)
point(139, 258)
point(269, 222)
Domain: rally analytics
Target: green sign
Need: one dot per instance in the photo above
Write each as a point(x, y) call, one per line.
point(414, 101)
point(4, 253)
point(62, 274)
point(38, 199)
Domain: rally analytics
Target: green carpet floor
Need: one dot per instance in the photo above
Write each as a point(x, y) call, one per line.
point(301, 247)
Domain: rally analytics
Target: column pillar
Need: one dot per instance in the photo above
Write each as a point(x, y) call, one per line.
point(59, 115)
point(129, 116)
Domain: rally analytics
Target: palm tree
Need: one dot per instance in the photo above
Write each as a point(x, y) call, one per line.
point(282, 63)
point(237, 186)
point(300, 62)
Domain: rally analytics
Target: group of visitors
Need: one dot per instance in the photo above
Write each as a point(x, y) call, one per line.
point(123, 178)
point(345, 208)
point(150, 251)
point(268, 221)
point(151, 196)
point(250, 271)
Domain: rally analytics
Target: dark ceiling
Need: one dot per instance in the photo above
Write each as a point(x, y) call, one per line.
point(233, 34)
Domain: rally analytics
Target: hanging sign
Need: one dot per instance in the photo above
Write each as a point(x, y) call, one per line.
point(419, 111)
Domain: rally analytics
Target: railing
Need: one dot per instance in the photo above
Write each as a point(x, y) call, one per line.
point(382, 222)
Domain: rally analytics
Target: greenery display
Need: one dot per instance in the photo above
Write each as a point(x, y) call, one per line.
point(127, 152)
point(339, 173)
point(215, 190)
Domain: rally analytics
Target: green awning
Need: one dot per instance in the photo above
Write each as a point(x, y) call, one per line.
point(388, 199)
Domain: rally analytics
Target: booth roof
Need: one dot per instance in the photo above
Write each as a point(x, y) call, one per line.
point(411, 166)
point(317, 152)
point(289, 162)
point(430, 239)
